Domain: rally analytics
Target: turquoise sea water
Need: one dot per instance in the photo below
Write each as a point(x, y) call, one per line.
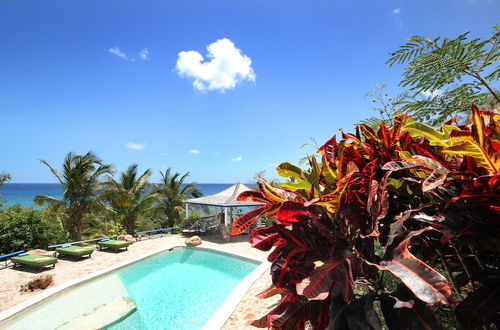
point(178, 289)
point(23, 193)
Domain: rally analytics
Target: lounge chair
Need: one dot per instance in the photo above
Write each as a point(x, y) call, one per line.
point(74, 251)
point(113, 244)
point(33, 260)
point(197, 228)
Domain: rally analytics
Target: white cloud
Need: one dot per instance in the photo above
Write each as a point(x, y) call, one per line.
point(144, 54)
point(224, 68)
point(116, 51)
point(396, 11)
point(432, 93)
point(135, 146)
point(194, 151)
point(164, 154)
point(237, 159)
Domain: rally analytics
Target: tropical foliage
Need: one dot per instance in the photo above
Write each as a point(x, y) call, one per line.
point(3, 178)
point(81, 184)
point(404, 218)
point(172, 192)
point(24, 229)
point(452, 73)
point(130, 196)
point(443, 77)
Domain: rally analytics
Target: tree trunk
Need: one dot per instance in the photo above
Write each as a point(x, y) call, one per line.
point(78, 232)
point(169, 223)
point(130, 225)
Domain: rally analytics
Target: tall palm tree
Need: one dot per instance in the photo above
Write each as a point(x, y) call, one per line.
point(173, 192)
point(81, 185)
point(130, 196)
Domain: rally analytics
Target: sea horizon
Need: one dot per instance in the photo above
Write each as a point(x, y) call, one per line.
point(12, 193)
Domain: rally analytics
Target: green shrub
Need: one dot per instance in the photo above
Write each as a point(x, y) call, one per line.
point(26, 228)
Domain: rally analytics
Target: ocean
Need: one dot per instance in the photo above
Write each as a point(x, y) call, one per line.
point(23, 193)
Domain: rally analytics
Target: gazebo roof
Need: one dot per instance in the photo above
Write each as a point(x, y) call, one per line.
point(226, 198)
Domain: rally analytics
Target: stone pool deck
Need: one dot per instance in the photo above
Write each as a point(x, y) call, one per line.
point(68, 269)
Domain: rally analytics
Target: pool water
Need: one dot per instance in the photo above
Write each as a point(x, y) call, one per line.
point(178, 289)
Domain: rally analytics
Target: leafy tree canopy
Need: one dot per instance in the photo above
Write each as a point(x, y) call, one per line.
point(130, 196)
point(25, 229)
point(444, 77)
point(80, 181)
point(172, 193)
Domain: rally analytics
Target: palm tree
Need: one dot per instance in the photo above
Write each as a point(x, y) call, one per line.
point(173, 192)
point(81, 185)
point(130, 196)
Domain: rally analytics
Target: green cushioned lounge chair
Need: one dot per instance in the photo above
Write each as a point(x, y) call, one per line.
point(34, 260)
point(114, 244)
point(75, 251)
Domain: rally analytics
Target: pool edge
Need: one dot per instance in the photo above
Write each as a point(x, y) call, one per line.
point(18, 310)
point(228, 306)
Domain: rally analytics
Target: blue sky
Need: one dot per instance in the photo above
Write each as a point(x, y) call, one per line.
point(103, 76)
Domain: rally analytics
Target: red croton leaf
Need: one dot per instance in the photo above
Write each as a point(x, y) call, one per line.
point(427, 284)
point(263, 238)
point(252, 195)
point(241, 224)
point(398, 122)
point(317, 286)
point(291, 212)
point(484, 192)
point(291, 195)
point(270, 193)
point(402, 310)
point(330, 149)
point(293, 312)
point(350, 161)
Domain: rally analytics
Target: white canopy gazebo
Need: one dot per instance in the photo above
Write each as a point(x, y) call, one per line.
point(225, 199)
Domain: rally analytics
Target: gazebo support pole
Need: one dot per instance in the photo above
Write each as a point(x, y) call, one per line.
point(187, 211)
point(226, 222)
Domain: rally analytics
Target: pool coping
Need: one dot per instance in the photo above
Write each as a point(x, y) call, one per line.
point(218, 318)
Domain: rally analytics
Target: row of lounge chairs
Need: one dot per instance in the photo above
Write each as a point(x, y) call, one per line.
point(38, 261)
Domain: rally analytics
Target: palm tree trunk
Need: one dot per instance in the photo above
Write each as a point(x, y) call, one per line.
point(169, 222)
point(130, 225)
point(78, 232)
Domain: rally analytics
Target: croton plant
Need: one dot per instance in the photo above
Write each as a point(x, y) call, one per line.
point(402, 223)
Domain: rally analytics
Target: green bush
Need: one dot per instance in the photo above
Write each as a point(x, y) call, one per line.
point(26, 228)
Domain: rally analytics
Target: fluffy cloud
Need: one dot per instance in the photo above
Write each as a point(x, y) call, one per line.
point(194, 151)
point(432, 93)
point(224, 68)
point(135, 146)
point(143, 54)
point(396, 11)
point(237, 159)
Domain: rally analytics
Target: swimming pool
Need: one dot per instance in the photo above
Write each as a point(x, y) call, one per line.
point(177, 289)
